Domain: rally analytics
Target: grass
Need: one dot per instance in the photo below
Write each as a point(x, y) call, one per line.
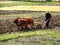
point(18, 3)
point(43, 33)
point(46, 33)
point(7, 36)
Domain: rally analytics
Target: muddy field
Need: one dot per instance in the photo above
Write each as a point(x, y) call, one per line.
point(5, 12)
point(7, 25)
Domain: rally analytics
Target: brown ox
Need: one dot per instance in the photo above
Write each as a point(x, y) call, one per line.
point(16, 21)
point(24, 22)
point(30, 22)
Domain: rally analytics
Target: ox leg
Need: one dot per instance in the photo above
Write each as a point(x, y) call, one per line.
point(26, 26)
point(18, 28)
point(21, 27)
point(32, 26)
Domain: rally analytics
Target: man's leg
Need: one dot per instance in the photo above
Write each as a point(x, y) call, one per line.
point(47, 24)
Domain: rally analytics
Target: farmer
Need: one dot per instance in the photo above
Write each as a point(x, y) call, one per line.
point(48, 17)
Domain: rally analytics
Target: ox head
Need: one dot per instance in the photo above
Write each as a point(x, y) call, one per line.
point(16, 21)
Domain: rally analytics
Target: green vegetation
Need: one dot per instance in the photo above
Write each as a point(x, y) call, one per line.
point(18, 0)
point(48, 37)
point(17, 3)
point(7, 36)
point(45, 33)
